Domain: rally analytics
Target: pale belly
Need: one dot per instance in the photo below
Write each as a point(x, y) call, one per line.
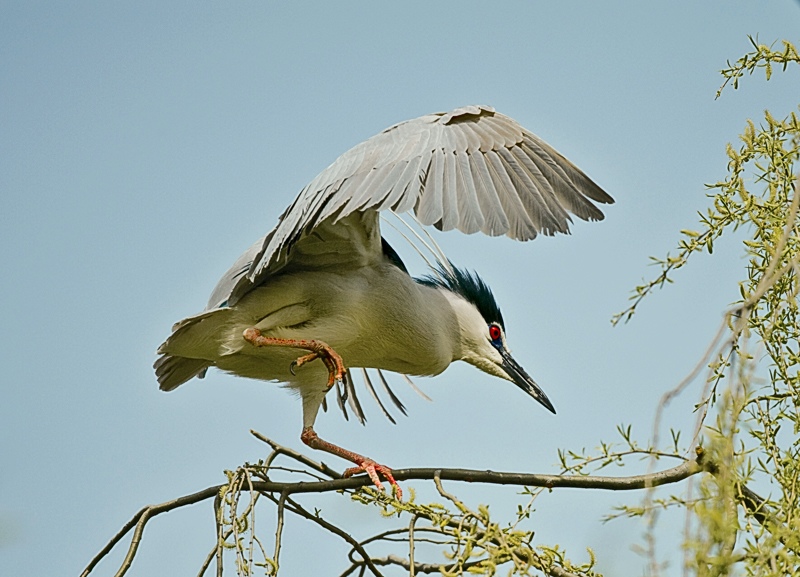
point(366, 326)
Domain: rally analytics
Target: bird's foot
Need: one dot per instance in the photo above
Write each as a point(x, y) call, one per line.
point(332, 360)
point(319, 350)
point(372, 469)
point(363, 464)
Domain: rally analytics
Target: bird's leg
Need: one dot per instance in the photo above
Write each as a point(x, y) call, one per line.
point(365, 464)
point(319, 350)
point(336, 371)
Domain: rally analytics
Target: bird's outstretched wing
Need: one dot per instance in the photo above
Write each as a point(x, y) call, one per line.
point(472, 169)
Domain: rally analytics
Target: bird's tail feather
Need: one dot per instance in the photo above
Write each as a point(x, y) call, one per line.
point(174, 371)
point(184, 355)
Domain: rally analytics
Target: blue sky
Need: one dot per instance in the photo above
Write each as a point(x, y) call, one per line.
point(143, 146)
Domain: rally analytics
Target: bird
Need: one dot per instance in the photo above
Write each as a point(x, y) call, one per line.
point(323, 292)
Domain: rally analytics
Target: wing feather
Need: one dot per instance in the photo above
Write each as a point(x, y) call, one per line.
point(450, 208)
point(469, 209)
point(564, 191)
point(520, 226)
point(399, 185)
point(415, 176)
point(429, 209)
point(495, 221)
point(471, 169)
point(585, 185)
point(540, 204)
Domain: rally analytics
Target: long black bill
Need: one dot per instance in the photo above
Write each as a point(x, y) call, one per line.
point(524, 380)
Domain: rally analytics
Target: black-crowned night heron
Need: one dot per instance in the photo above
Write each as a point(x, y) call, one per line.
point(326, 282)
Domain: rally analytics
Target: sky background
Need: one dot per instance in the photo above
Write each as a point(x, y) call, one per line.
point(144, 146)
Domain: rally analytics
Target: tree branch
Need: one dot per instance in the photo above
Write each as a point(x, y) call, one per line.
point(673, 475)
point(285, 489)
point(140, 519)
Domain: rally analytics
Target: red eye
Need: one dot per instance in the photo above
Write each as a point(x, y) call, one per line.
point(494, 332)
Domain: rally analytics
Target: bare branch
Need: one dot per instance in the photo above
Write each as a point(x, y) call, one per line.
point(411, 523)
point(418, 567)
point(279, 531)
point(140, 520)
point(216, 551)
point(221, 538)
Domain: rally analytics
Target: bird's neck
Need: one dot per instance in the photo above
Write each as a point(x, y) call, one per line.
point(468, 323)
point(437, 324)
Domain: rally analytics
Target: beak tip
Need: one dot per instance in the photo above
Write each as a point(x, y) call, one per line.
point(519, 377)
point(546, 403)
point(542, 399)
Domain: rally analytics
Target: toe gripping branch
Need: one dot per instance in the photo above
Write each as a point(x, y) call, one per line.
point(363, 464)
point(319, 350)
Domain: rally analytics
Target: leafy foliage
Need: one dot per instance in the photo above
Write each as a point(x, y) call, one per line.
point(750, 429)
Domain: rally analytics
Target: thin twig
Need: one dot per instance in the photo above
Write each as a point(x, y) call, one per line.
point(219, 513)
point(411, 565)
point(233, 506)
point(135, 541)
point(389, 536)
point(216, 551)
point(279, 530)
point(299, 457)
point(252, 528)
point(437, 480)
point(294, 507)
point(141, 517)
point(769, 278)
point(113, 542)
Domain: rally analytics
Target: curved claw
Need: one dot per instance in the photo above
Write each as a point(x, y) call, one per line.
point(365, 464)
point(372, 469)
point(319, 350)
point(333, 362)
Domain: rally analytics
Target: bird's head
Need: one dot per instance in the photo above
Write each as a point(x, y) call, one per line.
point(481, 328)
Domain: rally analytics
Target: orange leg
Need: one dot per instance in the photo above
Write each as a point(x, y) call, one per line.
point(336, 371)
point(319, 350)
point(365, 464)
